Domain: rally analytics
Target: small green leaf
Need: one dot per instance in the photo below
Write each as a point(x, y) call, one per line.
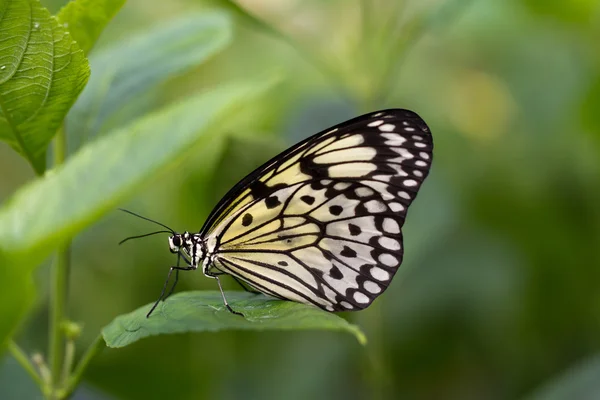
point(204, 311)
point(125, 72)
point(97, 178)
point(86, 19)
point(42, 71)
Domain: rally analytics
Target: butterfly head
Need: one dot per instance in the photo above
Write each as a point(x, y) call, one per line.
point(179, 242)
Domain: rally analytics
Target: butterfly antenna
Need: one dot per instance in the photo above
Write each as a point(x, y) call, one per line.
point(141, 236)
point(147, 219)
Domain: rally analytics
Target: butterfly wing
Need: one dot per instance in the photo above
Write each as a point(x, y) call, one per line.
point(321, 223)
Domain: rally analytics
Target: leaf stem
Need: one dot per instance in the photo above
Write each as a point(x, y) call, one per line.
point(59, 285)
point(22, 359)
point(69, 358)
point(88, 356)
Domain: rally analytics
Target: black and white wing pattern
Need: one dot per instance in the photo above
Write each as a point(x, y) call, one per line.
point(322, 222)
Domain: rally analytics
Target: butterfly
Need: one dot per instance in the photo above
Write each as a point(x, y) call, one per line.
point(320, 223)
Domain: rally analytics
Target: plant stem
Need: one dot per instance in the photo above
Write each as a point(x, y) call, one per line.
point(22, 359)
point(60, 273)
point(68, 363)
point(59, 284)
point(75, 378)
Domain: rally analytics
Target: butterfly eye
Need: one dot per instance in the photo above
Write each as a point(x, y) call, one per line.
point(176, 241)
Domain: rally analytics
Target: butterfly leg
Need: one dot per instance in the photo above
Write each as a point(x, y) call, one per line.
point(172, 287)
point(223, 296)
point(162, 293)
point(176, 278)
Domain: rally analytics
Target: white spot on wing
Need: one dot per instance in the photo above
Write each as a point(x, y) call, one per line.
point(375, 206)
point(387, 127)
point(376, 123)
point(363, 192)
point(380, 274)
point(396, 207)
point(361, 298)
point(385, 178)
point(388, 259)
point(389, 243)
point(372, 287)
point(394, 139)
point(346, 305)
point(391, 226)
point(341, 186)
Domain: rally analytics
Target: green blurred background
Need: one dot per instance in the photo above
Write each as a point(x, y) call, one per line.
point(499, 293)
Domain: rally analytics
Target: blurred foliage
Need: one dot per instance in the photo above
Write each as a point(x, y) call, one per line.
point(121, 91)
point(578, 382)
point(498, 296)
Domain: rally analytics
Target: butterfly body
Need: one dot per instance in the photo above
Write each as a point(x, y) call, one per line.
point(320, 223)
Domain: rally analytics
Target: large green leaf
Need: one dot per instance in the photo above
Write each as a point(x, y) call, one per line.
point(85, 19)
point(42, 71)
point(16, 295)
point(204, 311)
point(125, 72)
point(96, 179)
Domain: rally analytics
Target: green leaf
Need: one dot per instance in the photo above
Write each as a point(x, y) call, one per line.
point(96, 179)
point(86, 19)
point(16, 296)
point(204, 311)
point(125, 72)
point(42, 71)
